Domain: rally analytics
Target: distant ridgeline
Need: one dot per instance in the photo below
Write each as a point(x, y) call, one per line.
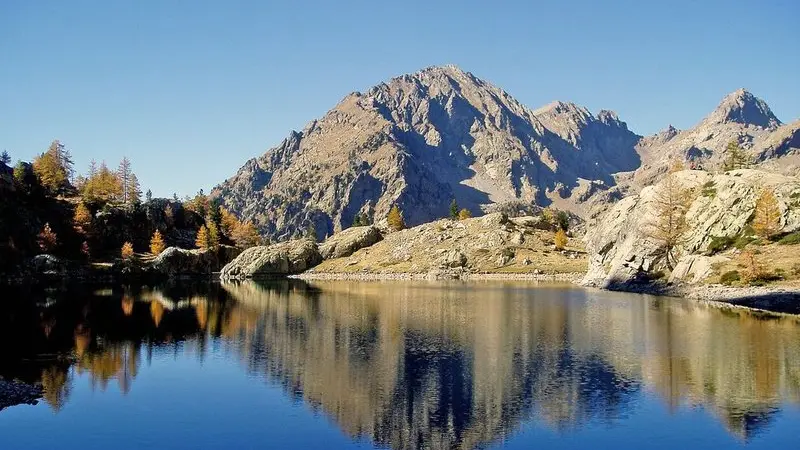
point(100, 216)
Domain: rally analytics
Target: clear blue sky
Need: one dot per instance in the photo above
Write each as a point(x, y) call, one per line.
point(189, 90)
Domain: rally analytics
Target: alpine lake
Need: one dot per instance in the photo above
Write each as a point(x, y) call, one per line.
point(393, 364)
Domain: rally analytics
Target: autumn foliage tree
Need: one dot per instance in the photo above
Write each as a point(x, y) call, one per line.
point(102, 185)
point(767, 216)
point(395, 218)
point(560, 239)
point(54, 168)
point(47, 239)
point(157, 243)
point(668, 226)
point(464, 214)
point(127, 251)
point(245, 235)
point(202, 241)
point(82, 219)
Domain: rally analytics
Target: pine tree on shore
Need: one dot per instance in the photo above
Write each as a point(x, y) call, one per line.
point(157, 243)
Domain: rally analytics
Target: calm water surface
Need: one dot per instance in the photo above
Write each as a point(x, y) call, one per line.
point(394, 365)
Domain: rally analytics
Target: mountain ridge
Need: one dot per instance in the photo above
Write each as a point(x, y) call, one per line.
point(420, 140)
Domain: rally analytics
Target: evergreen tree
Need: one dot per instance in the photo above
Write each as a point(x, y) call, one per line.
point(395, 218)
point(228, 222)
point(135, 191)
point(5, 158)
point(20, 176)
point(47, 239)
point(148, 196)
point(103, 186)
point(767, 217)
point(562, 220)
point(213, 234)
point(157, 243)
point(357, 220)
point(735, 157)
point(454, 209)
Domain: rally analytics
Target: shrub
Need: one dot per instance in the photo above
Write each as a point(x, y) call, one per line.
point(730, 277)
point(395, 219)
point(709, 189)
point(720, 244)
point(790, 239)
point(464, 214)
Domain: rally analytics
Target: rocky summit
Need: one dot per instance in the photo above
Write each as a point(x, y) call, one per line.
point(421, 140)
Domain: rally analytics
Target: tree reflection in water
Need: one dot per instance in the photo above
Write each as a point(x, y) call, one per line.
point(450, 365)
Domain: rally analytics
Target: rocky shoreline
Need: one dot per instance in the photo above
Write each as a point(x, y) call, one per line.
point(573, 277)
point(13, 393)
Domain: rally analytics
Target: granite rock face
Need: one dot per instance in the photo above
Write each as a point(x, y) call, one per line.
point(175, 262)
point(285, 258)
point(620, 251)
point(348, 241)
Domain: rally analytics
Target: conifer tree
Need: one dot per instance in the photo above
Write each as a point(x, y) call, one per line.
point(767, 217)
point(670, 204)
point(245, 235)
point(135, 191)
point(228, 222)
point(562, 220)
point(148, 196)
point(82, 219)
point(124, 176)
point(127, 251)
point(47, 239)
point(357, 220)
point(5, 158)
point(464, 214)
point(454, 209)
point(202, 241)
point(735, 157)
point(213, 234)
point(560, 239)
point(53, 168)
point(157, 243)
point(395, 218)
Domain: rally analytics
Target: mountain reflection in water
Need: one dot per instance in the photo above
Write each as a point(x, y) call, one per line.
point(424, 364)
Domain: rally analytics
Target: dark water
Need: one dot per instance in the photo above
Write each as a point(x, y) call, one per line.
point(398, 365)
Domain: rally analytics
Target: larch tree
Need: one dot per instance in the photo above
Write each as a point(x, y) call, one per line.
point(560, 239)
point(464, 214)
point(668, 225)
point(767, 214)
point(54, 168)
point(134, 190)
point(245, 235)
point(395, 218)
point(47, 239)
point(213, 234)
point(82, 219)
point(202, 241)
point(157, 243)
point(124, 176)
point(127, 251)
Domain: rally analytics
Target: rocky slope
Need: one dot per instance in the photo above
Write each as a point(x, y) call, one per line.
point(621, 252)
point(422, 139)
point(453, 249)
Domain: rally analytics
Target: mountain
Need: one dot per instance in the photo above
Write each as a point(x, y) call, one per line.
point(421, 140)
point(740, 117)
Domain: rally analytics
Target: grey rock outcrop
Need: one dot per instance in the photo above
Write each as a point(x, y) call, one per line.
point(175, 262)
point(346, 242)
point(285, 258)
point(621, 252)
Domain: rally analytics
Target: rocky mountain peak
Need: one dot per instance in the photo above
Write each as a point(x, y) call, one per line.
point(743, 107)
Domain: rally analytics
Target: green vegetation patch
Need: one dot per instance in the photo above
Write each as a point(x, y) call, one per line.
point(709, 189)
point(730, 277)
point(790, 239)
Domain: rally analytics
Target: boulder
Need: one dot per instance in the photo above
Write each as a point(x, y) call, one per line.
point(285, 258)
point(695, 268)
point(47, 265)
point(453, 259)
point(348, 241)
point(174, 261)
